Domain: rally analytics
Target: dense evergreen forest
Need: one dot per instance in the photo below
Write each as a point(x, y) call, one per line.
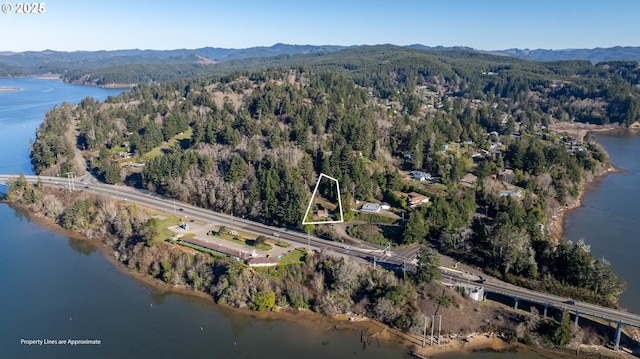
point(137, 66)
point(253, 142)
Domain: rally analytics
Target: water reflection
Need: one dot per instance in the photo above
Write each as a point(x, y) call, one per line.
point(158, 297)
point(20, 214)
point(82, 246)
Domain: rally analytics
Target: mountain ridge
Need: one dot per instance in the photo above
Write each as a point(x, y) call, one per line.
point(219, 54)
point(133, 66)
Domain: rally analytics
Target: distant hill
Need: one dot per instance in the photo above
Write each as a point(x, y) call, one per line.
point(60, 61)
point(139, 66)
point(618, 53)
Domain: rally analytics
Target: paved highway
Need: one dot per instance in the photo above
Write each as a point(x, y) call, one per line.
point(495, 286)
point(169, 205)
point(366, 251)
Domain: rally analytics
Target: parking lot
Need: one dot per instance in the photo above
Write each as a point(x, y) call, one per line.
point(201, 231)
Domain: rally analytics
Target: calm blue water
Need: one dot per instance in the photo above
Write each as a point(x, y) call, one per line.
point(22, 111)
point(609, 217)
point(56, 287)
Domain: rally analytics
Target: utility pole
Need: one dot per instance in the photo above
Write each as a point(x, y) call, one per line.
point(424, 335)
point(71, 184)
point(433, 324)
point(404, 270)
point(387, 250)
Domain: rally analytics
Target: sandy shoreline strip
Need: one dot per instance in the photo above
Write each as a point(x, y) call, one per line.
point(52, 77)
point(470, 344)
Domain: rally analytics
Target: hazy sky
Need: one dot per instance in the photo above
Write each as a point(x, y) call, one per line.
point(482, 24)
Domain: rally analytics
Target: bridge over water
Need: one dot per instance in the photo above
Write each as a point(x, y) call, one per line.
point(546, 300)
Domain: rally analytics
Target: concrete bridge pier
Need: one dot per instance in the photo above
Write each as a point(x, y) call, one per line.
point(515, 306)
point(544, 313)
point(575, 321)
point(618, 333)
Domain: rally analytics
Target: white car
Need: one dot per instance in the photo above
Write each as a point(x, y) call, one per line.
point(276, 234)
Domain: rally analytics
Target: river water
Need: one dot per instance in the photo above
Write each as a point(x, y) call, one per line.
point(608, 219)
point(56, 287)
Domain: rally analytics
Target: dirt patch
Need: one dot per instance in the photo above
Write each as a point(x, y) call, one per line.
point(580, 130)
point(235, 98)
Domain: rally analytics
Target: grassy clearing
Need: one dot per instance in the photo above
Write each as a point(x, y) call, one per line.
point(238, 239)
point(155, 152)
point(163, 224)
point(281, 244)
point(374, 218)
point(296, 256)
point(175, 141)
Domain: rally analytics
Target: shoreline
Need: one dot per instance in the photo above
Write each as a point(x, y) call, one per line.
point(9, 89)
point(556, 224)
point(48, 77)
point(369, 329)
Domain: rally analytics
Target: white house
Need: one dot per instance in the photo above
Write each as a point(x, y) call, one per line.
point(371, 208)
point(512, 193)
point(420, 176)
point(262, 262)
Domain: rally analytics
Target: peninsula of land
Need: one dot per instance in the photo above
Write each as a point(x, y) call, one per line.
point(432, 152)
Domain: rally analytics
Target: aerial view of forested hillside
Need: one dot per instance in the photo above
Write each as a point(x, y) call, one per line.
point(469, 132)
